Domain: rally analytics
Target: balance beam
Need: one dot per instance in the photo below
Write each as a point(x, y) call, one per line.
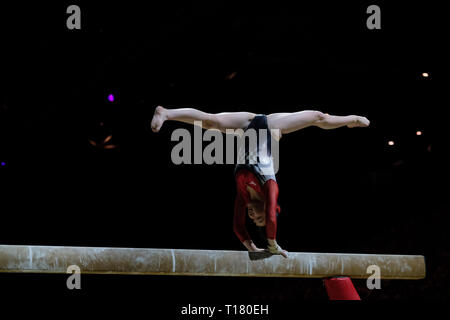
point(91, 260)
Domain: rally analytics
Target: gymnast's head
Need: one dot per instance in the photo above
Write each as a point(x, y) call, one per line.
point(256, 213)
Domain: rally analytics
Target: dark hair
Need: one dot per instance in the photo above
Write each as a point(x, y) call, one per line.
point(258, 234)
point(262, 236)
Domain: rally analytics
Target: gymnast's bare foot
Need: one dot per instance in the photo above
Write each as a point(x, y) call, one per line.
point(159, 117)
point(359, 122)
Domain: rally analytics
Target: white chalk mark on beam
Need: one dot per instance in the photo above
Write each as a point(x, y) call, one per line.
point(173, 260)
point(30, 252)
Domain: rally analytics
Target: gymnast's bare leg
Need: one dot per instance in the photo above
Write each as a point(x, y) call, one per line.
point(220, 121)
point(285, 122)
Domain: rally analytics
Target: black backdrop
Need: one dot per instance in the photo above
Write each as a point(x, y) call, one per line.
point(343, 190)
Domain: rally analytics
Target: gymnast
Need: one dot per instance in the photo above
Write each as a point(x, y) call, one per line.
point(257, 188)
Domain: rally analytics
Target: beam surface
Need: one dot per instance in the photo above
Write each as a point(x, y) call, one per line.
point(48, 259)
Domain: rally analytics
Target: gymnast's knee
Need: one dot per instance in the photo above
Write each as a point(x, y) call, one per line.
point(319, 116)
point(211, 121)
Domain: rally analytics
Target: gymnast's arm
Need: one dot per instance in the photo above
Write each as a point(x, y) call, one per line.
point(271, 194)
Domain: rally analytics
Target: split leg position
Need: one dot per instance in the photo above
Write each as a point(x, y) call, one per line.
point(285, 122)
point(260, 203)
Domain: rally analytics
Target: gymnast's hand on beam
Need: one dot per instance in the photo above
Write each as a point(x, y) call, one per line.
point(251, 247)
point(257, 250)
point(274, 248)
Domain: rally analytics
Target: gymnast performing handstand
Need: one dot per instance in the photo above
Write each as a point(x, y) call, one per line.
point(257, 188)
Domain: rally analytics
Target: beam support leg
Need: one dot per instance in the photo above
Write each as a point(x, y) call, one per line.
point(340, 288)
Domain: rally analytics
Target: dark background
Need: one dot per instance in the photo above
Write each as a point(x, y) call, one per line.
point(343, 190)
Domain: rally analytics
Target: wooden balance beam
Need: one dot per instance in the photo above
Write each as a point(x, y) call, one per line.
point(46, 259)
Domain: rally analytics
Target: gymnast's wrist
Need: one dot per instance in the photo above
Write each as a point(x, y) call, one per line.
point(273, 246)
point(249, 245)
